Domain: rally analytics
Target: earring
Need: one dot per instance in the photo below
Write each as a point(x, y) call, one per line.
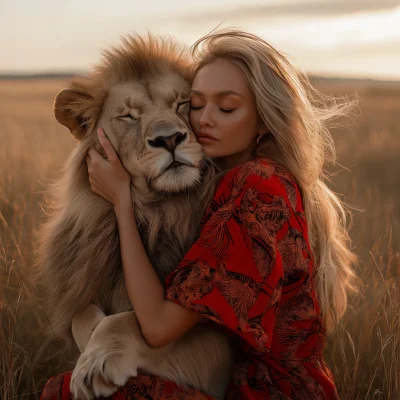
point(259, 138)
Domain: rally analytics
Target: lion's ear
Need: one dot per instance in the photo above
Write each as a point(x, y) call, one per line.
point(71, 109)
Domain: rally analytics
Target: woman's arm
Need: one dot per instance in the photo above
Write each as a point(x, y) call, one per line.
point(161, 320)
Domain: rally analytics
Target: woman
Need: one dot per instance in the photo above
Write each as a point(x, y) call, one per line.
point(272, 263)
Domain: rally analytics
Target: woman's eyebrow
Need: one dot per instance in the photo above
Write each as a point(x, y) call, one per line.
point(219, 94)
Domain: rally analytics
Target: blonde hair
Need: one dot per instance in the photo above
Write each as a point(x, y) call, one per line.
point(298, 137)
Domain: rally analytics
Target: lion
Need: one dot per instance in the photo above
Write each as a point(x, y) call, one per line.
point(139, 95)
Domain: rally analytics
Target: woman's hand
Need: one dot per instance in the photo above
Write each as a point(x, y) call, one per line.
point(108, 178)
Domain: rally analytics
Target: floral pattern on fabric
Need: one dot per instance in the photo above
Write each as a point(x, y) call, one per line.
point(251, 271)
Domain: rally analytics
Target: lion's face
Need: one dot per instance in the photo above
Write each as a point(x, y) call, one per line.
point(147, 122)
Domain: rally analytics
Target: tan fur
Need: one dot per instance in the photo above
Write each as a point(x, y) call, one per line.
point(202, 358)
point(79, 257)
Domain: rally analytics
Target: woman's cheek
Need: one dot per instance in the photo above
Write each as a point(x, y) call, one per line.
point(193, 120)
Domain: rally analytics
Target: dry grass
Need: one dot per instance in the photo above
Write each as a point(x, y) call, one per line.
point(364, 353)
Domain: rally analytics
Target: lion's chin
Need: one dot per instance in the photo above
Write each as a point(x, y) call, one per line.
point(177, 179)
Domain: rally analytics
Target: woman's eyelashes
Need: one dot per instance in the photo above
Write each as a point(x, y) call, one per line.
point(195, 108)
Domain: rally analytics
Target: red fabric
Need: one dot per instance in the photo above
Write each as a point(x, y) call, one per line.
point(142, 387)
point(251, 271)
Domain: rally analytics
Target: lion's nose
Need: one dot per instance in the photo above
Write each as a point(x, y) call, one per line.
point(169, 143)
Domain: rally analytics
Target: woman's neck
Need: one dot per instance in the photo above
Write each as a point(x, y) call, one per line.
point(231, 161)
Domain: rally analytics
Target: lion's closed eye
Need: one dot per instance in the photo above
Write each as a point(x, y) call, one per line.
point(127, 118)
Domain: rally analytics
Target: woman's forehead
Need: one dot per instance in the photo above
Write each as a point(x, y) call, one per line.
point(222, 78)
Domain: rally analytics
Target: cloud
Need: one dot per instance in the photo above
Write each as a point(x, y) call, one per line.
point(374, 50)
point(377, 60)
point(298, 9)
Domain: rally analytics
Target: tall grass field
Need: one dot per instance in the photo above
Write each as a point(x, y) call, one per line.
point(363, 353)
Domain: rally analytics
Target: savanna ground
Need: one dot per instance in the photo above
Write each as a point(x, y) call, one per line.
point(364, 352)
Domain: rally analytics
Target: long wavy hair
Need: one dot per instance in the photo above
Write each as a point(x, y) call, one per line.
point(298, 118)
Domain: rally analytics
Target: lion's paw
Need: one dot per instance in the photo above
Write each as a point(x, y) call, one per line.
point(101, 372)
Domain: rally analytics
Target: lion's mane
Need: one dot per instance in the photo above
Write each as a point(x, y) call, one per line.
point(78, 257)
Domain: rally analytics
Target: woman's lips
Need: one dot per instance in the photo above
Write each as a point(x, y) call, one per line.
point(206, 138)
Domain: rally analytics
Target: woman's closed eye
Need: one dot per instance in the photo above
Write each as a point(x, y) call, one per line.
point(195, 108)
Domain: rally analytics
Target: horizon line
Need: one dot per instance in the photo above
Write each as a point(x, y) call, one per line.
point(71, 74)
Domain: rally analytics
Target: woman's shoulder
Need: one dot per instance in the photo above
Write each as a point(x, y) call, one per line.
point(262, 175)
point(259, 171)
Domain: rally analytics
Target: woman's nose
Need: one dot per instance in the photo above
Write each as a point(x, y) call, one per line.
point(206, 117)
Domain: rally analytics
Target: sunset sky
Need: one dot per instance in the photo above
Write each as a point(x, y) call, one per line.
point(357, 38)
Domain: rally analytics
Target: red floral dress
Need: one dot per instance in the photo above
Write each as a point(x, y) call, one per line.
point(250, 270)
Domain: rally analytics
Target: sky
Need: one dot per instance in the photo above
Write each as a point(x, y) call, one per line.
point(338, 38)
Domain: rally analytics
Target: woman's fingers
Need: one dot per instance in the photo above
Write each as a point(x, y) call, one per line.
point(94, 155)
point(107, 177)
point(107, 146)
point(94, 161)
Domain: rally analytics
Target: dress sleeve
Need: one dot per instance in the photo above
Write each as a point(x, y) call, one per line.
point(233, 273)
